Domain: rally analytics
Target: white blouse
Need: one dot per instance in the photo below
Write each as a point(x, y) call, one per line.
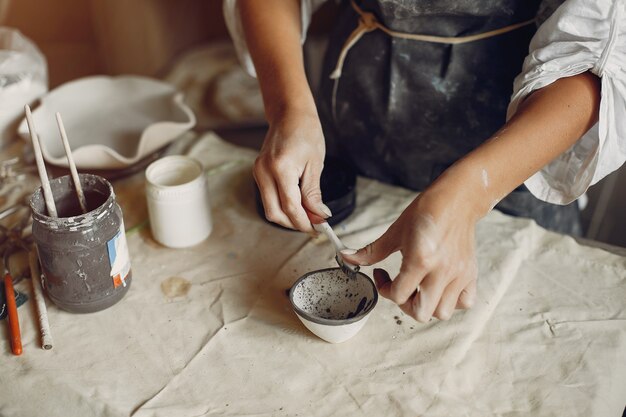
point(581, 35)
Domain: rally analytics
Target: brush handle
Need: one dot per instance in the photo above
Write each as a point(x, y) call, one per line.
point(71, 164)
point(14, 322)
point(321, 225)
point(339, 246)
point(330, 233)
point(41, 166)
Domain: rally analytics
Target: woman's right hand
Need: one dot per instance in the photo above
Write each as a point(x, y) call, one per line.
point(288, 170)
point(290, 164)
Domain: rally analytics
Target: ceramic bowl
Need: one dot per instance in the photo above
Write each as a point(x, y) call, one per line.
point(331, 305)
point(111, 122)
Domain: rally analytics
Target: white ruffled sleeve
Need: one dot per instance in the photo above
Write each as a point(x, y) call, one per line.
point(581, 35)
point(235, 28)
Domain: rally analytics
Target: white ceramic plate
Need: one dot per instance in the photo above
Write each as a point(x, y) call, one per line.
point(111, 122)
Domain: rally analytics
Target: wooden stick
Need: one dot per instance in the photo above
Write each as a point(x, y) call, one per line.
point(41, 167)
point(44, 324)
point(70, 160)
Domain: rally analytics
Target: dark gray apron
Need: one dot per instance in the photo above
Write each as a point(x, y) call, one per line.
point(406, 110)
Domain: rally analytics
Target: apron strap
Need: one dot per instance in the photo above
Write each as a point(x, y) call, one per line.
point(368, 23)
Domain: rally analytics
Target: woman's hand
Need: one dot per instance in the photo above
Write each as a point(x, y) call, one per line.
point(435, 235)
point(288, 170)
point(290, 164)
point(436, 232)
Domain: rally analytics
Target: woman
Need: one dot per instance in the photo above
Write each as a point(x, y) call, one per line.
point(416, 94)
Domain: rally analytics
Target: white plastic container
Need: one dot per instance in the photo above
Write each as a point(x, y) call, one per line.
point(178, 201)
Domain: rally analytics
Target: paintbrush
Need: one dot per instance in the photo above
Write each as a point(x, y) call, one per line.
point(70, 161)
point(321, 225)
point(41, 167)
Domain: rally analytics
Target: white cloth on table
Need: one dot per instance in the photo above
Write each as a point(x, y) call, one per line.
point(581, 35)
point(208, 330)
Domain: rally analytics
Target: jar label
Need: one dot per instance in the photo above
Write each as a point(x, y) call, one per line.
point(118, 258)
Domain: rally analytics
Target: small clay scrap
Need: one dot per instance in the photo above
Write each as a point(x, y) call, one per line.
point(173, 287)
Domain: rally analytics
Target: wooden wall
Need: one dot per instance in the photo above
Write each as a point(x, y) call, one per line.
point(63, 30)
point(84, 37)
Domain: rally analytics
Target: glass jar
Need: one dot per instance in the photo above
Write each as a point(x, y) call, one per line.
point(84, 257)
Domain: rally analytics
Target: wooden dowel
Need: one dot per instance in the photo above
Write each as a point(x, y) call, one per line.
point(70, 161)
point(42, 311)
point(41, 167)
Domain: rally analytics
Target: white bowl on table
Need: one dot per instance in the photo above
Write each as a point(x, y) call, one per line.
point(331, 305)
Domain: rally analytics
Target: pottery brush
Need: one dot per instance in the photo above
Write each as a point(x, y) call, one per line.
point(41, 167)
point(321, 225)
point(70, 161)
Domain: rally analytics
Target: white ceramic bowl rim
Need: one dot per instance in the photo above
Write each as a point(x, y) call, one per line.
point(333, 322)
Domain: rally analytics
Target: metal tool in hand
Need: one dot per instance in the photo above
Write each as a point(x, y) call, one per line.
point(322, 226)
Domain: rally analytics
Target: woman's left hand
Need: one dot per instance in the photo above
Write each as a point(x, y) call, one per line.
point(435, 235)
point(436, 232)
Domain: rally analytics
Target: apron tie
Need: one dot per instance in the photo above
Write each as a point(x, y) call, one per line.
point(369, 23)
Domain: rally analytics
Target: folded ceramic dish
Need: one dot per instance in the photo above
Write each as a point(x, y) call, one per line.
point(111, 122)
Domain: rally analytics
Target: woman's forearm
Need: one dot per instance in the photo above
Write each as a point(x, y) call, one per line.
point(272, 30)
point(549, 122)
